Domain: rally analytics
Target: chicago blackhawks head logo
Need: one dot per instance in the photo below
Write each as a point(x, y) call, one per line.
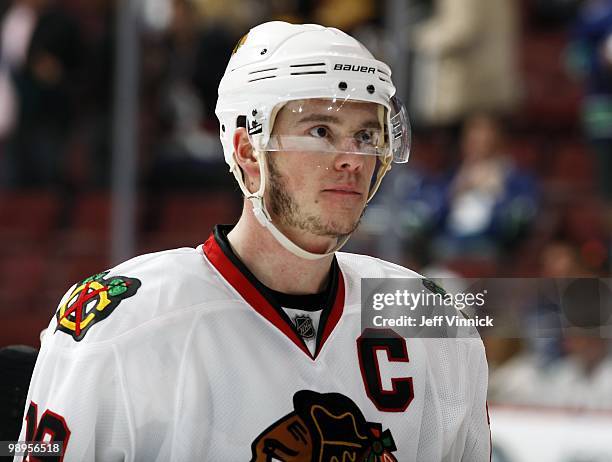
point(92, 300)
point(323, 428)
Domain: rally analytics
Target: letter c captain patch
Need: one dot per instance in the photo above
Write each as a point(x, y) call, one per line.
point(93, 300)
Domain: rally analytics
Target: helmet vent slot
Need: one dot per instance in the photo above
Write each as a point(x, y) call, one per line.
point(263, 70)
point(307, 64)
point(308, 72)
point(384, 76)
point(262, 78)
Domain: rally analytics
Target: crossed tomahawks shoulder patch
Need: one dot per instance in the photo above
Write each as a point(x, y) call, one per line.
point(91, 301)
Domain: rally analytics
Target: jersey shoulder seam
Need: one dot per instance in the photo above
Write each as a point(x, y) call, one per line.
point(126, 405)
point(381, 261)
point(178, 399)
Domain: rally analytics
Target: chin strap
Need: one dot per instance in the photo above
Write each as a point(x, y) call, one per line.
point(263, 217)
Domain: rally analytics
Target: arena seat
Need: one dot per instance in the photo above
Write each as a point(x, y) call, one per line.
point(27, 220)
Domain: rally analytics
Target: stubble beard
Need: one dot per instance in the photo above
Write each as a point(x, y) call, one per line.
point(287, 210)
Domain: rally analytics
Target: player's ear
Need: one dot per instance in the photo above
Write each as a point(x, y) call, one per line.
point(246, 158)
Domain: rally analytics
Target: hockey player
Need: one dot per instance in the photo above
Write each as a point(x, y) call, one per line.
point(250, 347)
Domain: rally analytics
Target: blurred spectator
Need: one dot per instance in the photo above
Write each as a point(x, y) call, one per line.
point(17, 21)
point(489, 203)
point(560, 259)
point(346, 15)
point(590, 56)
point(185, 71)
point(45, 86)
point(515, 374)
point(238, 15)
point(293, 11)
point(91, 161)
point(583, 377)
point(480, 208)
point(466, 60)
point(580, 379)
point(557, 364)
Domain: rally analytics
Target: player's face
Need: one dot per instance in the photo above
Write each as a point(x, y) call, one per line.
point(321, 193)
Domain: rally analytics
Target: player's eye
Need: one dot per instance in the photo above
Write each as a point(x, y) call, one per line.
point(319, 132)
point(366, 137)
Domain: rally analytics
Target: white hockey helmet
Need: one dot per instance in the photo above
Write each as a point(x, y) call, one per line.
point(278, 62)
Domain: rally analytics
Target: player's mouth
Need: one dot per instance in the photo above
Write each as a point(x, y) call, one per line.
point(343, 190)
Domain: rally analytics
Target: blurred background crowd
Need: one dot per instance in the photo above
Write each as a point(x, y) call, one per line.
point(510, 173)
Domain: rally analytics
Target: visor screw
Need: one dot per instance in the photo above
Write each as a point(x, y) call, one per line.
point(264, 51)
point(254, 112)
point(370, 89)
point(342, 86)
point(223, 127)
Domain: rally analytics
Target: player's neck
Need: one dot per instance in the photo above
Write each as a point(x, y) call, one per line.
point(272, 264)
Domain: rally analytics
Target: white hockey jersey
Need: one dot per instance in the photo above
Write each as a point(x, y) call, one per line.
point(178, 356)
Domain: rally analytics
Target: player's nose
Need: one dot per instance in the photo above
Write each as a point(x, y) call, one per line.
point(349, 162)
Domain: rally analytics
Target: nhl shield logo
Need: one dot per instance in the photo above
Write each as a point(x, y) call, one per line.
point(304, 326)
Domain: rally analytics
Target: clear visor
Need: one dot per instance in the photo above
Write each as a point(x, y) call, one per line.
point(338, 126)
point(401, 132)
